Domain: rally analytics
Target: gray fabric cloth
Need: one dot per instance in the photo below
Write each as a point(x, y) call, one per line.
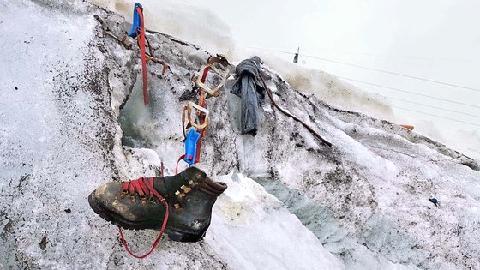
point(248, 87)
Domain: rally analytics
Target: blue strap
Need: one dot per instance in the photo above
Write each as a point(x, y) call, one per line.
point(136, 22)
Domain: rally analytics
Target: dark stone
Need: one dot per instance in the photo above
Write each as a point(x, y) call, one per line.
point(43, 243)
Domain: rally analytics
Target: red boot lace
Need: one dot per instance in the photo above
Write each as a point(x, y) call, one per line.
point(144, 188)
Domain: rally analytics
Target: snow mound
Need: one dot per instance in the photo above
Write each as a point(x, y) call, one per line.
point(252, 230)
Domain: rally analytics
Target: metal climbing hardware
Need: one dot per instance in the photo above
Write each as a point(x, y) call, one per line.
point(195, 120)
point(195, 116)
point(205, 91)
point(201, 80)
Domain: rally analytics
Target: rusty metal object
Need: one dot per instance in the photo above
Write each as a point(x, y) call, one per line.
point(408, 127)
point(194, 115)
point(200, 81)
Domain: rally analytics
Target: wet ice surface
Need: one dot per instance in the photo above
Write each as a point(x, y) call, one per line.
point(365, 200)
point(322, 222)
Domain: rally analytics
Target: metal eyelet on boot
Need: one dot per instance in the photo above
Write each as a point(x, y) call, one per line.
point(180, 195)
point(186, 189)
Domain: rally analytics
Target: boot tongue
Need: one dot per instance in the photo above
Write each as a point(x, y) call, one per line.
point(194, 174)
point(213, 188)
point(168, 185)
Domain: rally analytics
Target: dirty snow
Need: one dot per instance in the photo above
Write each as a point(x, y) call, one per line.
point(251, 228)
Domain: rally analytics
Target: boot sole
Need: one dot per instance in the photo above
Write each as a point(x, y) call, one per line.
point(180, 236)
point(117, 220)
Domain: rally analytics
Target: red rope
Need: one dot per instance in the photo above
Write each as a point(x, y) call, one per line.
point(178, 160)
point(144, 188)
point(205, 73)
point(141, 43)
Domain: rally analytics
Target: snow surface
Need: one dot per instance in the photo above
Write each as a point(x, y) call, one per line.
point(362, 204)
point(252, 230)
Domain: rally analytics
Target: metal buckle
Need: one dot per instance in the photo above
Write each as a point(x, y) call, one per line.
point(190, 116)
point(215, 91)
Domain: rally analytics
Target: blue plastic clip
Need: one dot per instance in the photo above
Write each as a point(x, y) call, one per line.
point(191, 146)
point(136, 21)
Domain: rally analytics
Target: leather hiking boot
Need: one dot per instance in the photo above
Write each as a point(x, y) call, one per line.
point(140, 204)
